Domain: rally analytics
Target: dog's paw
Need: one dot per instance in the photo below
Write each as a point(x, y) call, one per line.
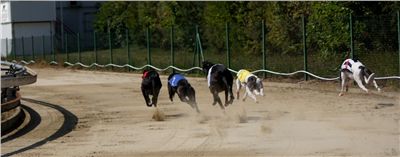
point(341, 94)
point(231, 100)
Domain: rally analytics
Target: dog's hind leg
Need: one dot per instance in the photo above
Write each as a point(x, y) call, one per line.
point(171, 92)
point(244, 96)
point(359, 82)
point(376, 86)
point(155, 98)
point(238, 87)
point(231, 95)
point(343, 77)
point(217, 99)
point(226, 98)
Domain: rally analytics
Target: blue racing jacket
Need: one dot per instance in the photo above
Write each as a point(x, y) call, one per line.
point(175, 79)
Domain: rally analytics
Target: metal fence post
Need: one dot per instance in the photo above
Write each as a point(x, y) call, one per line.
point(263, 47)
point(33, 49)
point(53, 47)
point(228, 51)
point(110, 45)
point(398, 36)
point(198, 46)
point(127, 46)
point(172, 48)
point(44, 52)
point(351, 36)
point(6, 48)
point(15, 48)
point(79, 48)
point(148, 45)
point(304, 46)
point(23, 48)
point(94, 46)
point(66, 46)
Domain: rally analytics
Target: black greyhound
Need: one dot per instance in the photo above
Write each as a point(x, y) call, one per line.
point(219, 79)
point(177, 83)
point(151, 85)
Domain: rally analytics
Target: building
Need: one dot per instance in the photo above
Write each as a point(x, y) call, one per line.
point(40, 27)
point(22, 22)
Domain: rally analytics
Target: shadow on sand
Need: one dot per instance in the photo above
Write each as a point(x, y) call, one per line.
point(70, 121)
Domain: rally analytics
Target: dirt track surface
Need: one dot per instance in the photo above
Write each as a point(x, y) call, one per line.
point(86, 113)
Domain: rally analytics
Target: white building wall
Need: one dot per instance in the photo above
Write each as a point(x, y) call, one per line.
point(5, 12)
point(5, 46)
point(5, 27)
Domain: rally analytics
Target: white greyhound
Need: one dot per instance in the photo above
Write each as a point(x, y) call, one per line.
point(355, 70)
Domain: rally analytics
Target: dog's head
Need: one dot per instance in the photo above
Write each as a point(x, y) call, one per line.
point(206, 66)
point(255, 85)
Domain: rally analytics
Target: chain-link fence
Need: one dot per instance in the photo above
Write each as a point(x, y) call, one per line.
point(299, 44)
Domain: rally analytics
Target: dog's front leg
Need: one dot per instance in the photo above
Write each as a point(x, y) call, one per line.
point(248, 91)
point(146, 98)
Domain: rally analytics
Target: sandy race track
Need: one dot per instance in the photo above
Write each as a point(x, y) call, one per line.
point(89, 113)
